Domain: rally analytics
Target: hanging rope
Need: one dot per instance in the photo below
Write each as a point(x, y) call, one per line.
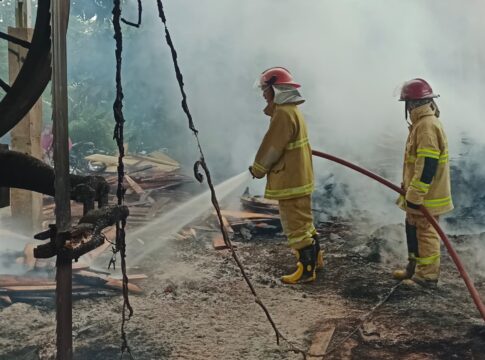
point(178, 73)
point(137, 25)
point(118, 136)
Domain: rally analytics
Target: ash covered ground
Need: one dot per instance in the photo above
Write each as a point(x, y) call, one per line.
point(196, 305)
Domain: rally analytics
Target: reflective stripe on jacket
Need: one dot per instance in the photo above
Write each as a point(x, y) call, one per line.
point(285, 155)
point(426, 173)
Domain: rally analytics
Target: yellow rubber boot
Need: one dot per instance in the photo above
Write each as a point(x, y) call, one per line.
point(402, 274)
point(416, 280)
point(305, 267)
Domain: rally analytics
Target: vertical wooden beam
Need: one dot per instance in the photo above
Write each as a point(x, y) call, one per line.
point(23, 14)
point(60, 15)
point(26, 206)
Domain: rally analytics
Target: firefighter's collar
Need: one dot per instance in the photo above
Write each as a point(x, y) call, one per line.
point(422, 111)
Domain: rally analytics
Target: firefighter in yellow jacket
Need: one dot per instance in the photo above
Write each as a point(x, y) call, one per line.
point(285, 157)
point(426, 180)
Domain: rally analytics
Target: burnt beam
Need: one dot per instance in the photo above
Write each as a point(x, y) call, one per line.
point(4, 86)
point(15, 40)
point(26, 172)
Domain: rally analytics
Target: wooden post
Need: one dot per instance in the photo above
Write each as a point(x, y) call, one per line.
point(26, 206)
point(60, 15)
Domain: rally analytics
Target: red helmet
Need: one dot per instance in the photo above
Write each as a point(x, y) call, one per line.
point(277, 76)
point(416, 89)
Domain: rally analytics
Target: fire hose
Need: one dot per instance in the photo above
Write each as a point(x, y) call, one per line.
point(454, 256)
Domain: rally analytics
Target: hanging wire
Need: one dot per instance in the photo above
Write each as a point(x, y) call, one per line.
point(137, 25)
point(118, 136)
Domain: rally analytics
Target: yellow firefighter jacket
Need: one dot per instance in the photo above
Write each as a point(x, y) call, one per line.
point(285, 155)
point(426, 173)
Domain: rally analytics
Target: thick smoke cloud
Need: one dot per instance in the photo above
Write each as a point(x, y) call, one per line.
point(350, 57)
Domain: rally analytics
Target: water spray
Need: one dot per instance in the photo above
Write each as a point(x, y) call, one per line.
point(454, 256)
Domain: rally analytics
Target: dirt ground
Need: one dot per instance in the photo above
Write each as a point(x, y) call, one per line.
point(197, 306)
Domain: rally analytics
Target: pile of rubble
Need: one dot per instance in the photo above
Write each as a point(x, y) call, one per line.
point(41, 289)
point(152, 184)
point(257, 216)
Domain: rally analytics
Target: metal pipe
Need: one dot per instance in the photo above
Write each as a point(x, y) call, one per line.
point(454, 256)
point(60, 14)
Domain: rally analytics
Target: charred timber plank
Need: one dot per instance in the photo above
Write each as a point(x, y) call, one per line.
point(5, 87)
point(110, 235)
point(105, 216)
point(15, 40)
point(28, 173)
point(85, 277)
point(95, 279)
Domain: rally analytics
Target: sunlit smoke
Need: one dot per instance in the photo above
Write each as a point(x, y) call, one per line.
point(154, 235)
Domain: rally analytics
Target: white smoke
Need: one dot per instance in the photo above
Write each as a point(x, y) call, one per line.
point(349, 56)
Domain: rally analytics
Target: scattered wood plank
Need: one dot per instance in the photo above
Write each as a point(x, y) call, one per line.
point(218, 242)
point(31, 288)
point(136, 188)
point(80, 265)
point(118, 284)
point(227, 226)
point(259, 204)
point(134, 278)
point(321, 340)
point(96, 279)
point(247, 215)
point(14, 280)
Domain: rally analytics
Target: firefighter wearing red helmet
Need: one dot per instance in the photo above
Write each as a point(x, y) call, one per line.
point(426, 180)
point(285, 158)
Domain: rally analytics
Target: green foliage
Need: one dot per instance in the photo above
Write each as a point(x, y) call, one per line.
point(151, 104)
point(90, 117)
